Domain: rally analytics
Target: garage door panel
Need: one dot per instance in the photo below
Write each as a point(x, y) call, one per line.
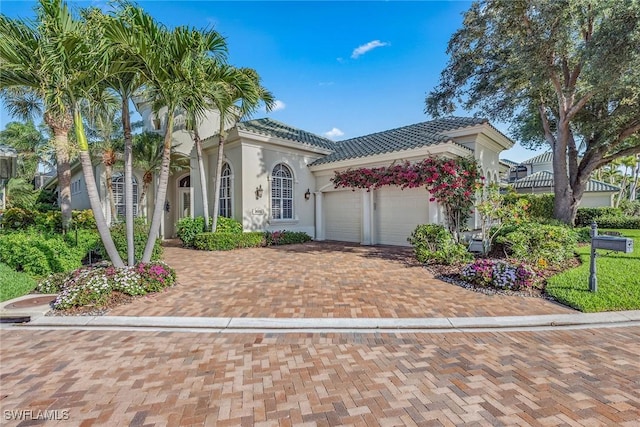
point(398, 212)
point(343, 216)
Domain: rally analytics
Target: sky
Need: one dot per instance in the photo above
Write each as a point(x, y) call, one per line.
point(340, 69)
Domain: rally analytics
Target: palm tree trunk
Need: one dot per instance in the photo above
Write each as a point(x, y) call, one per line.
point(161, 194)
point(108, 175)
point(203, 179)
point(216, 192)
point(128, 180)
point(94, 200)
point(94, 196)
point(63, 167)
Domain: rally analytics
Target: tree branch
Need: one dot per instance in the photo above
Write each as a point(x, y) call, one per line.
point(545, 125)
point(622, 153)
point(578, 105)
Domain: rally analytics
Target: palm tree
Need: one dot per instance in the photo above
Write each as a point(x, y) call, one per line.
point(244, 95)
point(148, 150)
point(28, 141)
point(633, 188)
point(35, 61)
point(207, 85)
point(166, 56)
point(104, 132)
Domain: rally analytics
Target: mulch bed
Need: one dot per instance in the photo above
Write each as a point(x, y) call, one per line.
point(451, 274)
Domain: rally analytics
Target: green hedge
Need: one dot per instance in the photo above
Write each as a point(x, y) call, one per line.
point(629, 222)
point(585, 216)
point(140, 235)
point(39, 254)
point(286, 237)
point(189, 228)
point(228, 241)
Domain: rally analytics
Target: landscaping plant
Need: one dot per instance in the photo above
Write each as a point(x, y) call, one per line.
point(499, 274)
point(93, 286)
point(433, 243)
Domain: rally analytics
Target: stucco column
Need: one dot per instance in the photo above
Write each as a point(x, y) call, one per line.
point(367, 217)
point(319, 217)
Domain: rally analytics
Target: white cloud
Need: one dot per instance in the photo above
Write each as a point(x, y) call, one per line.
point(334, 133)
point(278, 105)
point(361, 50)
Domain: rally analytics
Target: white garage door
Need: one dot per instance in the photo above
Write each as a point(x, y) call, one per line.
point(343, 215)
point(398, 212)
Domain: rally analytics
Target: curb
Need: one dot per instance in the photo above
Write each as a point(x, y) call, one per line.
point(233, 324)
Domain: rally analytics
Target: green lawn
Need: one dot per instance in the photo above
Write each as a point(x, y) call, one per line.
point(14, 284)
point(618, 280)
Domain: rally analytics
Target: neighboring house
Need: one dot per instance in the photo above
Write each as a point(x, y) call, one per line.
point(8, 167)
point(278, 177)
point(535, 176)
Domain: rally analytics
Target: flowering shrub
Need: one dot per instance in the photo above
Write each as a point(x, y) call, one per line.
point(451, 182)
point(93, 285)
point(155, 276)
point(499, 274)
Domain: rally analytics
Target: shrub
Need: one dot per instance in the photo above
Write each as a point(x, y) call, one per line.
point(285, 237)
point(94, 285)
point(227, 241)
point(540, 205)
point(17, 219)
point(188, 228)
point(140, 235)
point(583, 234)
point(434, 244)
point(499, 274)
point(48, 221)
point(631, 208)
point(585, 216)
point(155, 276)
point(534, 242)
point(629, 222)
point(40, 254)
point(228, 225)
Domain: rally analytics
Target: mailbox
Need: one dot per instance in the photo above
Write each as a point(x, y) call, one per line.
point(612, 243)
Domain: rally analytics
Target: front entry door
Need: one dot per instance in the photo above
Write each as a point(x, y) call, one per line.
point(184, 202)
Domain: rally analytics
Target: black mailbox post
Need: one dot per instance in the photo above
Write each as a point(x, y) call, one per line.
point(611, 243)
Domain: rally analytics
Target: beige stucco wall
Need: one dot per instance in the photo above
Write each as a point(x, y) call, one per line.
point(594, 200)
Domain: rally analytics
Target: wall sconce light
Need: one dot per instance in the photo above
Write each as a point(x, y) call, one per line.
point(167, 206)
point(259, 192)
point(307, 195)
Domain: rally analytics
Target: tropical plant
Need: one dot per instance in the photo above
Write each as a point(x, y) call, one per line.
point(565, 73)
point(148, 149)
point(243, 96)
point(28, 141)
point(165, 57)
point(37, 64)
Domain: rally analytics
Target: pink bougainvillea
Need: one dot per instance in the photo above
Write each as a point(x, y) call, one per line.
point(451, 182)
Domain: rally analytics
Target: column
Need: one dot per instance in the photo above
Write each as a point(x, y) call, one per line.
point(367, 217)
point(319, 223)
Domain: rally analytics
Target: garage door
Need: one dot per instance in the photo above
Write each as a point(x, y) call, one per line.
point(397, 213)
point(343, 215)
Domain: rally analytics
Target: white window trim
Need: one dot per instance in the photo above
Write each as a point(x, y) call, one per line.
point(230, 189)
point(294, 212)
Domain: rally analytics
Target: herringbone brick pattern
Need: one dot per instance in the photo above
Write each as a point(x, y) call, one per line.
point(318, 279)
point(119, 378)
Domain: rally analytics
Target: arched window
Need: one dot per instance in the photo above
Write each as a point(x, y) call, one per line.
point(225, 191)
point(282, 193)
point(117, 184)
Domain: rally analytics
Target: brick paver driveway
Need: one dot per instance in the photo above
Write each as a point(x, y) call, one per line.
point(318, 279)
point(120, 378)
